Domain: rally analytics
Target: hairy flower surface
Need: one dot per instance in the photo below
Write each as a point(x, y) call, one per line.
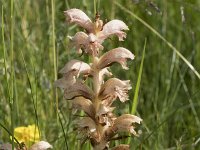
point(113, 89)
point(78, 89)
point(91, 42)
point(42, 145)
point(99, 124)
point(125, 123)
point(119, 55)
point(86, 105)
point(79, 17)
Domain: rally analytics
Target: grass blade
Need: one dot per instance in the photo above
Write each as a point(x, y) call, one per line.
point(136, 93)
point(161, 37)
point(54, 51)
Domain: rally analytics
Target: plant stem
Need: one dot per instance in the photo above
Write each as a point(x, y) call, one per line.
point(54, 51)
point(97, 80)
point(95, 8)
point(12, 70)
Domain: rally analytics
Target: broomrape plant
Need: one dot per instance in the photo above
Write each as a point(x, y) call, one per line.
point(99, 125)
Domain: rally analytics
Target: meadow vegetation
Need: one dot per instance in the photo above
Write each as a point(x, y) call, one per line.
point(34, 46)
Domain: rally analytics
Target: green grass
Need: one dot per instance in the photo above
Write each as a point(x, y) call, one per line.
point(34, 46)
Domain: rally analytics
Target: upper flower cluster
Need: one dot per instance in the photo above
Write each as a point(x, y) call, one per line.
point(97, 32)
point(100, 124)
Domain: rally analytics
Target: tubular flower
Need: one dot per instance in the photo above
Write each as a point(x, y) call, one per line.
point(99, 124)
point(97, 32)
point(125, 123)
point(119, 55)
point(113, 89)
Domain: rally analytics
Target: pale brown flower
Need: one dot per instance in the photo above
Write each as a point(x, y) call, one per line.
point(126, 123)
point(104, 114)
point(87, 123)
point(78, 89)
point(113, 27)
point(97, 32)
point(66, 81)
point(119, 55)
point(79, 17)
point(70, 72)
point(75, 67)
point(86, 42)
point(114, 88)
point(86, 105)
point(42, 145)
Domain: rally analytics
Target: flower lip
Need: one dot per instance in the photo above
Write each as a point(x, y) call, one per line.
point(104, 110)
point(125, 123)
point(114, 88)
point(119, 55)
point(75, 66)
point(70, 72)
point(65, 81)
point(79, 17)
point(113, 27)
point(78, 89)
point(84, 104)
point(86, 43)
point(80, 39)
point(87, 122)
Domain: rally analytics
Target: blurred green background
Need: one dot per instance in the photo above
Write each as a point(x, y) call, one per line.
point(35, 46)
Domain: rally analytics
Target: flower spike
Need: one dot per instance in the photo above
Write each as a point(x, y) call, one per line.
point(99, 124)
